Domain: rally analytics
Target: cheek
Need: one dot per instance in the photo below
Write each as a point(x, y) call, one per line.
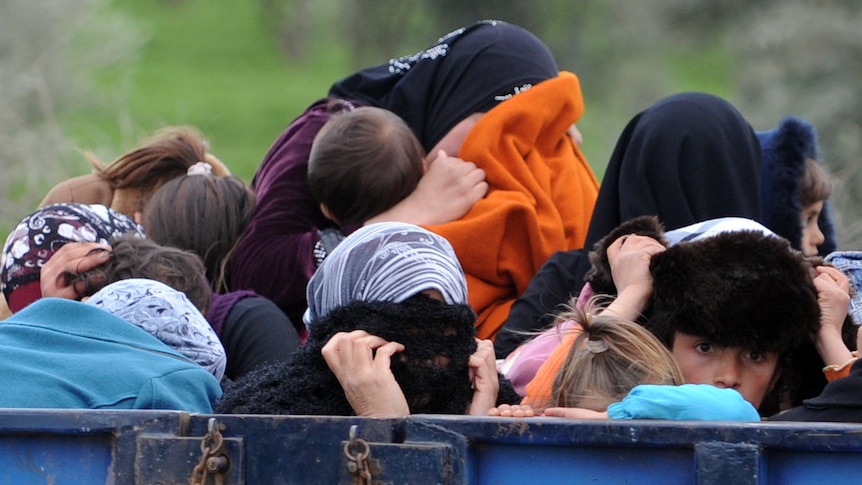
point(694, 371)
point(756, 383)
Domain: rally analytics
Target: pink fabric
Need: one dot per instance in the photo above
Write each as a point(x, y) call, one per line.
point(522, 364)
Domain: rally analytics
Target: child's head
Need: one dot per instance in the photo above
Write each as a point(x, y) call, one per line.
point(363, 162)
point(136, 175)
point(143, 258)
point(815, 189)
point(608, 360)
point(795, 187)
point(204, 214)
point(386, 261)
point(732, 308)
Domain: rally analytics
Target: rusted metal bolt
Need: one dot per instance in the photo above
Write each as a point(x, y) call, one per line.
point(218, 464)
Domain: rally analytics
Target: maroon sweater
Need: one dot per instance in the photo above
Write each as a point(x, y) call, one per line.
point(274, 256)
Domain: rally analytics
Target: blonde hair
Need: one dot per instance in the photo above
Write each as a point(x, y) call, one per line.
point(608, 359)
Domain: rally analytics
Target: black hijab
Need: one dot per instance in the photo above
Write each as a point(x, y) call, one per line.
point(688, 158)
point(468, 71)
point(432, 370)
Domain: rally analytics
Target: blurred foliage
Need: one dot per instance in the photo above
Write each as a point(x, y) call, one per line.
point(48, 53)
point(240, 71)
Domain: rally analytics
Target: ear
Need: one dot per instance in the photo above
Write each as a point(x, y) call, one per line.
point(328, 214)
point(772, 382)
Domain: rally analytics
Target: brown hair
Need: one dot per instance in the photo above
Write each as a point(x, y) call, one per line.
point(608, 360)
point(203, 214)
point(133, 257)
point(363, 162)
point(166, 155)
point(815, 185)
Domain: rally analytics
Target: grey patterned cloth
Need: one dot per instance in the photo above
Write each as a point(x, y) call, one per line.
point(712, 227)
point(388, 261)
point(166, 314)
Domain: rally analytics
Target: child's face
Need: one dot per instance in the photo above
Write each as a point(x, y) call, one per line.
point(702, 362)
point(811, 235)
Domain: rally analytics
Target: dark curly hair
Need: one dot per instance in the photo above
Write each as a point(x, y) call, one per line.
point(133, 257)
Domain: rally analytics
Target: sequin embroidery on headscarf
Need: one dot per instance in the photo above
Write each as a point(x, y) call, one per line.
point(470, 70)
point(166, 314)
point(39, 235)
point(388, 261)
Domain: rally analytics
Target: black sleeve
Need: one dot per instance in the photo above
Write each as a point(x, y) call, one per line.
point(256, 332)
point(551, 287)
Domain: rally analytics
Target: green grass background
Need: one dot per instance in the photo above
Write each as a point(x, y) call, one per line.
point(214, 65)
point(211, 65)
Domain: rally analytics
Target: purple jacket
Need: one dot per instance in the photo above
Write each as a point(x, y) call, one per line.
point(274, 255)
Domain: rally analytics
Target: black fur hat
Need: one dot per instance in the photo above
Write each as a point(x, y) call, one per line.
point(599, 276)
point(428, 329)
point(738, 289)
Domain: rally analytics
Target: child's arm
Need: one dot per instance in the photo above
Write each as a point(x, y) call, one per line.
point(685, 402)
point(833, 296)
point(629, 258)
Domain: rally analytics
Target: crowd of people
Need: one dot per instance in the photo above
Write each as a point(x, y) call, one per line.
point(428, 237)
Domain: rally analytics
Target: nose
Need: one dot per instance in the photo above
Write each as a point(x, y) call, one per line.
point(817, 237)
point(727, 372)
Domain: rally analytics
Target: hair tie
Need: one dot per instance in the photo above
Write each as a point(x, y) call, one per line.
point(597, 346)
point(200, 168)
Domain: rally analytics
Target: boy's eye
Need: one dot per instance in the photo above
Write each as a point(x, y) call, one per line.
point(704, 347)
point(756, 356)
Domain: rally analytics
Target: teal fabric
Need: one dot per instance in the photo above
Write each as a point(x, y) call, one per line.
point(686, 402)
point(64, 354)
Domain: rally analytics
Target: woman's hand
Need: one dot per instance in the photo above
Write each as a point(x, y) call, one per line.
point(447, 191)
point(833, 296)
point(483, 375)
point(71, 260)
point(360, 362)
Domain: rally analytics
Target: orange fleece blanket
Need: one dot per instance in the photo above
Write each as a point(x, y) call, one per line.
point(540, 198)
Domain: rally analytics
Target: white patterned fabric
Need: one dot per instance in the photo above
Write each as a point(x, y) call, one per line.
point(388, 261)
point(166, 314)
point(712, 227)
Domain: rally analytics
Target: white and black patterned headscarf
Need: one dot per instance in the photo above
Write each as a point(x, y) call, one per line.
point(166, 314)
point(39, 235)
point(389, 261)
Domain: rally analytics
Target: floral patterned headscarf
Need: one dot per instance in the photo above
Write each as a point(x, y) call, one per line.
point(166, 314)
point(39, 235)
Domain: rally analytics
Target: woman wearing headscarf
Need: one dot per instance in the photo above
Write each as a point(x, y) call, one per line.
point(541, 190)
point(44, 231)
point(166, 314)
point(390, 333)
point(60, 353)
point(688, 158)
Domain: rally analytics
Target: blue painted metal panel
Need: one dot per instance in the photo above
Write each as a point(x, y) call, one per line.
point(82, 447)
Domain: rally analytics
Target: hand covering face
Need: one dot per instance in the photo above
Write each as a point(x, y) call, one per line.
point(389, 261)
point(166, 314)
point(39, 235)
